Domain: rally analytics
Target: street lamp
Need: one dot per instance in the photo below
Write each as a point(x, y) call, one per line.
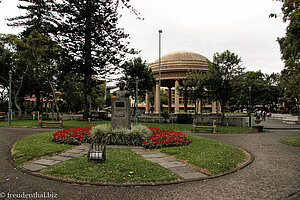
point(136, 99)
point(9, 101)
point(250, 106)
point(159, 76)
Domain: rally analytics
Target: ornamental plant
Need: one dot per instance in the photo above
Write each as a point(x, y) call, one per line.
point(74, 136)
point(165, 138)
point(105, 133)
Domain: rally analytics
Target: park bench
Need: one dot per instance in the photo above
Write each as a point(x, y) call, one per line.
point(213, 127)
point(60, 123)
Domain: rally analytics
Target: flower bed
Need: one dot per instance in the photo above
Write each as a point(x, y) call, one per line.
point(158, 137)
point(75, 136)
point(165, 138)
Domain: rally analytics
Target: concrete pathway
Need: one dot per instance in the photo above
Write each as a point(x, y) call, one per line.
point(179, 168)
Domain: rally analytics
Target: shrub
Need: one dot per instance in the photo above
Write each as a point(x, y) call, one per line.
point(104, 133)
point(184, 118)
point(165, 138)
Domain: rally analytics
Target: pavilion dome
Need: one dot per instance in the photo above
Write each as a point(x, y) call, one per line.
point(180, 61)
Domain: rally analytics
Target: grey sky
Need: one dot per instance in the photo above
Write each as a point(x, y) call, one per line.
point(202, 26)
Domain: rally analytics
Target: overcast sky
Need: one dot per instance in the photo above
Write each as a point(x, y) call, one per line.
point(202, 26)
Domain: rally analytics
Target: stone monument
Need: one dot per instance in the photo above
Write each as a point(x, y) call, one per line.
point(120, 117)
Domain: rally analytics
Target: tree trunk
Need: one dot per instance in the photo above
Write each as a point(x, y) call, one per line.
point(18, 108)
point(185, 104)
point(88, 60)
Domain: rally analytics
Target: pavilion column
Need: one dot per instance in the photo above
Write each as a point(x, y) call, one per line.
point(147, 103)
point(170, 99)
point(219, 108)
point(156, 102)
point(214, 107)
point(199, 106)
point(176, 97)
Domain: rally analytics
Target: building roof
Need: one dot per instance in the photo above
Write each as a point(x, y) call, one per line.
point(181, 61)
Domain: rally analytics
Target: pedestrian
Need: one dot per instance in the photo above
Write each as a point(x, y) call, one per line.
point(257, 115)
point(264, 115)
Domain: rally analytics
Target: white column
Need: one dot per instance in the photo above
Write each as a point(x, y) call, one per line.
point(214, 107)
point(176, 97)
point(219, 108)
point(147, 103)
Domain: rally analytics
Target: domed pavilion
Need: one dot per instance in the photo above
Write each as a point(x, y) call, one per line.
point(174, 67)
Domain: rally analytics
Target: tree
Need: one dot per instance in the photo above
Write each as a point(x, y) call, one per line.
point(193, 87)
point(290, 49)
point(39, 17)
point(264, 89)
point(15, 58)
point(44, 57)
point(220, 75)
point(137, 68)
point(91, 40)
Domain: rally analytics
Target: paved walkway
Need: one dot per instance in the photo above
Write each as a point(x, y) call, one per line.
point(274, 174)
point(279, 124)
point(182, 170)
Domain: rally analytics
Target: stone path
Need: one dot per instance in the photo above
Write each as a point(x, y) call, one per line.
point(179, 168)
point(52, 160)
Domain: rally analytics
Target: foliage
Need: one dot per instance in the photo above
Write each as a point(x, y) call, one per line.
point(137, 68)
point(165, 114)
point(220, 76)
point(290, 49)
point(184, 118)
point(193, 87)
point(39, 17)
point(105, 133)
point(91, 40)
point(73, 136)
point(264, 89)
point(165, 138)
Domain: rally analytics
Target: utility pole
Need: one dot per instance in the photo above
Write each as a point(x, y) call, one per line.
point(159, 76)
point(9, 101)
point(250, 107)
point(136, 100)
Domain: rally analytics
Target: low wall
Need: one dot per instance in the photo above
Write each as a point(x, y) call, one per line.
point(205, 119)
point(231, 121)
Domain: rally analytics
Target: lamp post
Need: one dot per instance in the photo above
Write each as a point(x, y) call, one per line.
point(159, 76)
point(250, 106)
point(9, 101)
point(136, 100)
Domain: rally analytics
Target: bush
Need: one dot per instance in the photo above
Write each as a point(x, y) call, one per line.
point(184, 118)
point(104, 133)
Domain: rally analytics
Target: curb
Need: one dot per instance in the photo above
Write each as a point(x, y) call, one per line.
point(248, 162)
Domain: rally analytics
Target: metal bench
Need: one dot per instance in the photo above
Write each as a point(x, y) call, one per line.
point(213, 127)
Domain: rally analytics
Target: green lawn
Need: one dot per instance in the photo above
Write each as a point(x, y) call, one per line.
point(210, 155)
point(122, 165)
point(173, 126)
point(66, 124)
point(35, 146)
point(295, 140)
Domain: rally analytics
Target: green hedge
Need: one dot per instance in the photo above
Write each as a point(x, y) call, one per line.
point(184, 118)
